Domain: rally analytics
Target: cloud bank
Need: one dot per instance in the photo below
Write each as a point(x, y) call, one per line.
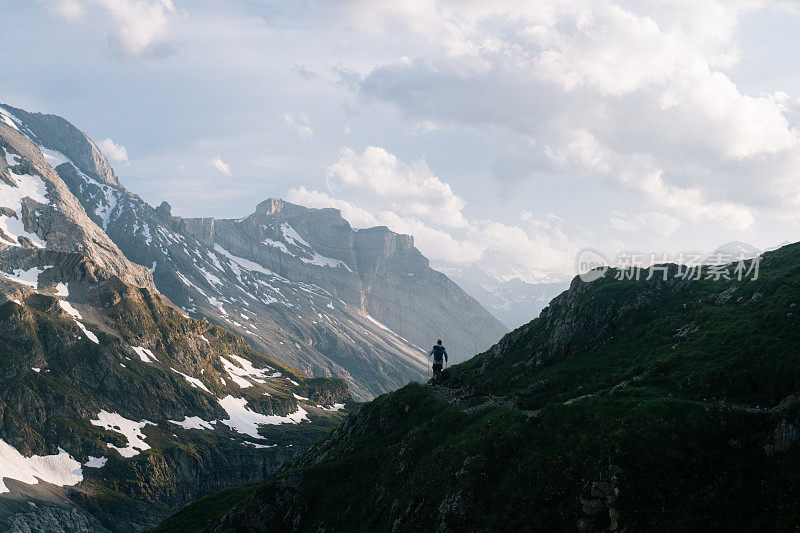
point(138, 27)
point(408, 198)
point(635, 95)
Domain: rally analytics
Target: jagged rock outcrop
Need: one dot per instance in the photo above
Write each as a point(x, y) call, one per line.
point(55, 133)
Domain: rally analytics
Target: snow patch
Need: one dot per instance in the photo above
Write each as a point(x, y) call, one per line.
point(60, 469)
point(244, 263)
point(321, 260)
point(9, 119)
point(96, 462)
point(258, 446)
point(148, 238)
point(28, 277)
point(66, 306)
point(105, 209)
point(242, 368)
point(144, 354)
point(27, 186)
point(245, 421)
point(277, 244)
point(12, 160)
point(211, 278)
point(194, 382)
point(62, 290)
point(194, 422)
point(292, 236)
point(216, 303)
point(129, 429)
point(55, 158)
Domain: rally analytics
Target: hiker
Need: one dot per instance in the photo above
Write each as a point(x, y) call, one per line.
point(438, 352)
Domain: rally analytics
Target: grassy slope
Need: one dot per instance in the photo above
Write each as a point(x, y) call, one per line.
point(684, 446)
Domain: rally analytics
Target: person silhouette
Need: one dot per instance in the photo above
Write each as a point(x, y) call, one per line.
point(439, 354)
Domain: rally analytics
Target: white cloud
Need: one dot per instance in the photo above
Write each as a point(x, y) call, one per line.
point(219, 165)
point(358, 217)
point(424, 127)
point(301, 125)
point(412, 189)
point(139, 26)
point(114, 151)
point(663, 225)
point(639, 174)
point(408, 198)
point(435, 243)
point(635, 94)
point(71, 10)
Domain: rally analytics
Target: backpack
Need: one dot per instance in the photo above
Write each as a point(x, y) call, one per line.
point(438, 352)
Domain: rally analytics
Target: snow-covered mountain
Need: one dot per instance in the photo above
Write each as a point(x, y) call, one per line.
point(509, 298)
point(733, 251)
point(116, 407)
point(119, 404)
point(298, 283)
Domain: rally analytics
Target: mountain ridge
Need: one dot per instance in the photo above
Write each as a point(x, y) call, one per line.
point(629, 404)
point(372, 337)
point(115, 406)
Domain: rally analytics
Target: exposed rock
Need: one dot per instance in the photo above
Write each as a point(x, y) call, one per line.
point(533, 387)
point(785, 435)
point(381, 272)
point(62, 222)
point(96, 364)
point(50, 519)
point(55, 133)
point(456, 504)
point(600, 513)
point(725, 295)
point(322, 297)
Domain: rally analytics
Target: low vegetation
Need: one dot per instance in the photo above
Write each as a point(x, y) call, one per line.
point(654, 405)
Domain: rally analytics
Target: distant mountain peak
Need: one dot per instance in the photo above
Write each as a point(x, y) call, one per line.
point(270, 206)
point(734, 250)
point(55, 133)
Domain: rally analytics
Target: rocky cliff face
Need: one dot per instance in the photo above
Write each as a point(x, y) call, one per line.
point(54, 133)
point(115, 406)
point(40, 216)
point(376, 270)
point(297, 283)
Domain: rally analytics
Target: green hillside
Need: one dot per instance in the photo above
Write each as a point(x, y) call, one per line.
point(629, 404)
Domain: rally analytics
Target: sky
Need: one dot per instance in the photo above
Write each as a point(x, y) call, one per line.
point(505, 135)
